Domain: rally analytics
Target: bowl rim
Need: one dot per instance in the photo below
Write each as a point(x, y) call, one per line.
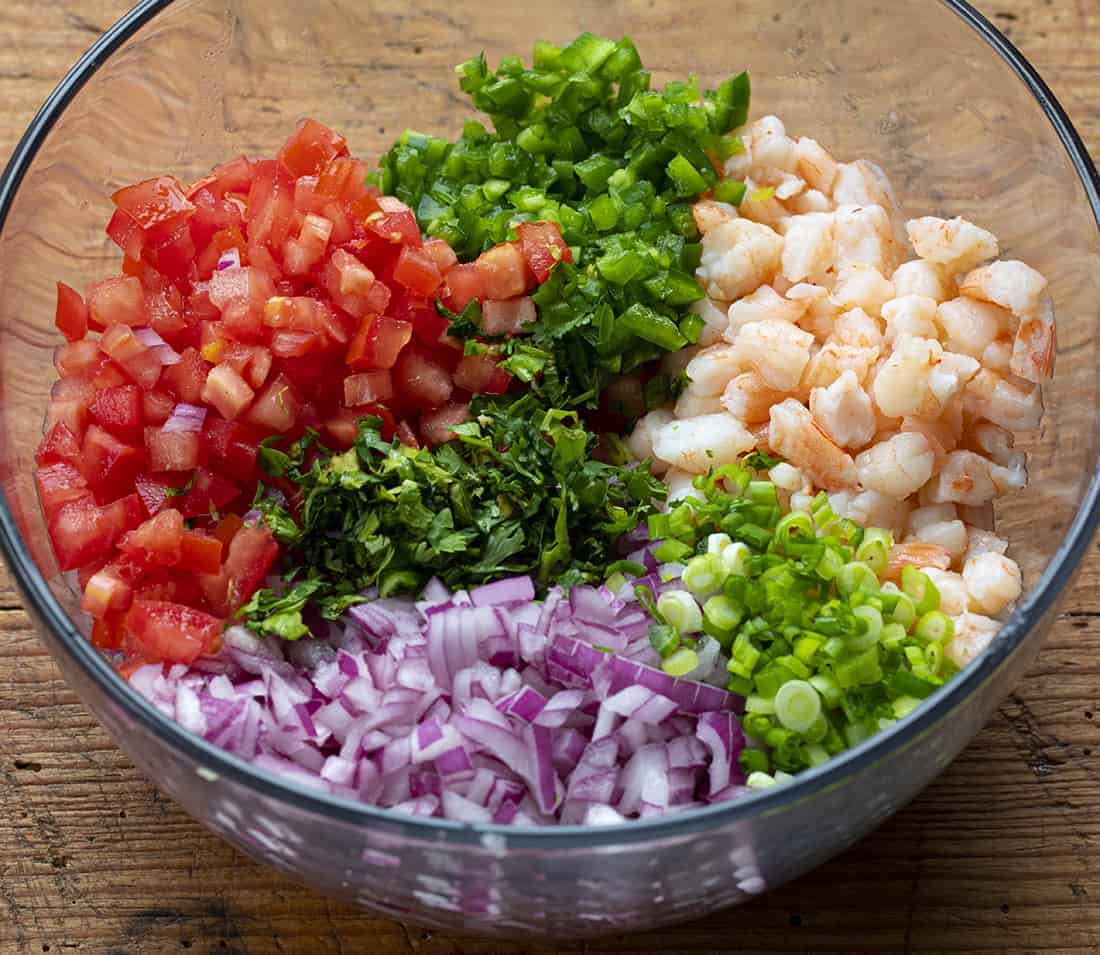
point(216, 762)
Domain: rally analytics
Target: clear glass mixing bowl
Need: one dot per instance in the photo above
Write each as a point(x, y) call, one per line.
point(929, 90)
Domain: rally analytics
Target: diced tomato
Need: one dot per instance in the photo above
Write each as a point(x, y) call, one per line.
point(507, 318)
point(252, 553)
point(479, 374)
point(109, 465)
point(200, 553)
point(464, 283)
point(156, 406)
point(542, 247)
point(394, 222)
point(58, 445)
point(421, 380)
point(251, 362)
point(172, 255)
point(353, 287)
point(442, 254)
point(304, 252)
point(153, 493)
point(227, 391)
point(270, 205)
point(59, 484)
point(164, 313)
point(367, 388)
point(160, 631)
point(248, 284)
point(156, 542)
point(119, 410)
point(187, 378)
point(214, 215)
point(304, 314)
point(109, 633)
point(108, 375)
point(141, 363)
point(286, 344)
point(343, 426)
point(378, 342)
point(76, 358)
point(220, 242)
point(116, 301)
point(406, 435)
point(127, 235)
point(69, 401)
point(173, 450)
point(417, 271)
point(106, 592)
point(210, 495)
point(310, 149)
point(232, 176)
point(156, 205)
point(503, 271)
point(277, 407)
point(71, 316)
point(344, 179)
point(428, 325)
point(82, 533)
point(226, 529)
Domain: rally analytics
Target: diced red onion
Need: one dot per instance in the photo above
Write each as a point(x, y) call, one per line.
point(229, 259)
point(185, 417)
point(165, 353)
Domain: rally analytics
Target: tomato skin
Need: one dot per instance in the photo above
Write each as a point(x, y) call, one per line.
point(435, 426)
point(542, 247)
point(156, 205)
point(417, 271)
point(187, 378)
point(310, 148)
point(71, 316)
point(58, 445)
point(116, 301)
point(378, 342)
point(156, 543)
point(59, 484)
point(232, 176)
point(164, 632)
point(344, 179)
point(421, 380)
point(368, 387)
point(268, 215)
point(119, 410)
point(210, 494)
point(503, 271)
point(464, 283)
point(252, 553)
point(173, 450)
point(109, 465)
point(200, 553)
point(126, 234)
point(479, 374)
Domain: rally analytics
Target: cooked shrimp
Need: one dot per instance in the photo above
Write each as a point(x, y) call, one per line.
point(952, 588)
point(680, 485)
point(902, 380)
point(898, 466)
point(712, 368)
point(1012, 403)
point(950, 535)
point(768, 145)
point(857, 329)
point(738, 256)
point(931, 514)
point(919, 555)
point(862, 183)
point(749, 397)
point(993, 581)
point(844, 411)
point(998, 357)
point(920, 277)
point(809, 200)
point(864, 234)
point(940, 438)
point(691, 404)
point(981, 541)
point(808, 248)
point(973, 633)
point(698, 444)
point(814, 164)
point(912, 315)
point(1033, 349)
point(765, 302)
point(832, 360)
point(965, 478)
point(715, 320)
point(640, 441)
point(875, 509)
point(778, 351)
point(955, 243)
point(1012, 285)
point(794, 435)
point(969, 327)
point(861, 286)
point(947, 379)
point(710, 214)
point(761, 205)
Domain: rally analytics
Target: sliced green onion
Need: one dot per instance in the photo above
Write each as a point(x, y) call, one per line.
point(934, 627)
point(760, 780)
point(904, 612)
point(830, 692)
point(722, 613)
point(703, 574)
point(919, 587)
point(735, 559)
point(904, 705)
point(755, 703)
point(681, 611)
point(739, 685)
point(717, 543)
point(664, 639)
point(753, 761)
point(669, 550)
point(681, 662)
point(861, 669)
point(829, 564)
point(856, 576)
point(892, 635)
point(874, 550)
point(794, 526)
point(797, 705)
point(872, 627)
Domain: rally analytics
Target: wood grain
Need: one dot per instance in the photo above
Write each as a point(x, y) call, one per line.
point(997, 855)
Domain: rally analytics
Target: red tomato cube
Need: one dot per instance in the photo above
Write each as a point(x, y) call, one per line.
point(301, 254)
point(277, 407)
point(210, 494)
point(200, 553)
point(106, 591)
point(227, 391)
point(435, 426)
point(119, 410)
point(442, 254)
point(232, 176)
point(156, 406)
point(58, 444)
point(116, 301)
point(163, 632)
point(420, 380)
point(367, 388)
point(173, 450)
point(503, 271)
point(156, 543)
point(187, 378)
point(59, 484)
point(479, 374)
point(109, 465)
point(464, 283)
point(141, 363)
point(76, 358)
point(417, 271)
point(542, 247)
point(378, 342)
point(252, 553)
point(310, 149)
point(71, 316)
point(156, 205)
point(344, 179)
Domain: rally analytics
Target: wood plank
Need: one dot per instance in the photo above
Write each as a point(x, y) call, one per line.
point(997, 855)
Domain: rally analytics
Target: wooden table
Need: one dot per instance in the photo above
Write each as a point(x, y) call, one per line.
point(997, 855)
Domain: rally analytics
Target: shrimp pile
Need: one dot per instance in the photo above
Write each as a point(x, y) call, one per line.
point(889, 363)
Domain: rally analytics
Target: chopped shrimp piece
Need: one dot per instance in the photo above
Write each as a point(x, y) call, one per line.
point(768, 145)
point(952, 588)
point(712, 368)
point(808, 248)
point(749, 397)
point(862, 183)
point(832, 360)
point(809, 200)
point(1012, 403)
point(787, 477)
point(858, 329)
point(955, 243)
point(778, 351)
point(698, 444)
point(998, 357)
point(993, 581)
point(973, 633)
point(680, 486)
point(764, 303)
point(969, 327)
point(996, 443)
point(788, 186)
point(983, 542)
point(794, 435)
point(1010, 284)
point(965, 478)
point(875, 509)
point(939, 436)
point(902, 380)
point(861, 286)
point(715, 320)
point(920, 277)
point(912, 315)
point(864, 234)
point(844, 411)
point(761, 205)
point(947, 379)
point(640, 441)
point(806, 292)
point(931, 514)
point(950, 535)
point(814, 164)
point(738, 256)
point(691, 404)
point(1033, 349)
point(898, 466)
point(710, 214)
point(919, 555)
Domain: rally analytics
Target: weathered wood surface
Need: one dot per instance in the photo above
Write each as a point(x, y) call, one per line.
point(998, 855)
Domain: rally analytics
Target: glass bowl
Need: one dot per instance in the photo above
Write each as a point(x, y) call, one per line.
point(930, 91)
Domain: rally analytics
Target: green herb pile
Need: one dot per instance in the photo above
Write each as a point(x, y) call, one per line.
point(824, 652)
point(580, 139)
point(518, 493)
